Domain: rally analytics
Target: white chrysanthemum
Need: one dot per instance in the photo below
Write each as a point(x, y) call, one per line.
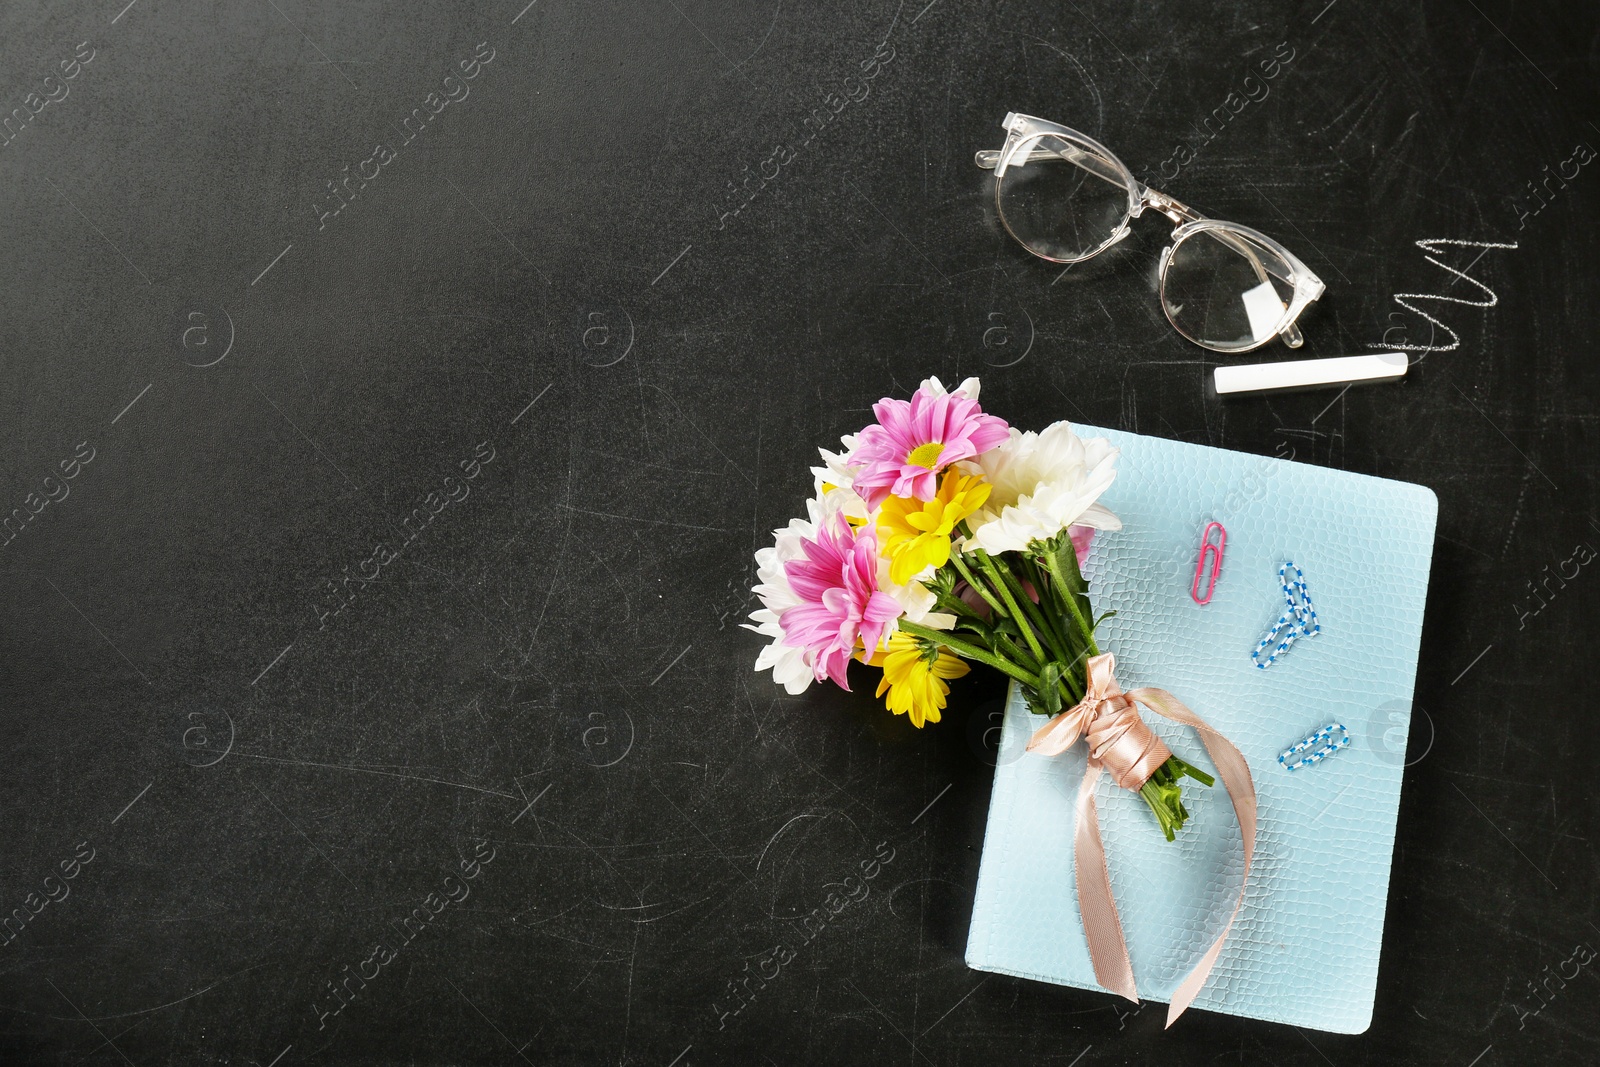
point(789, 665)
point(968, 388)
point(917, 601)
point(833, 481)
point(1043, 483)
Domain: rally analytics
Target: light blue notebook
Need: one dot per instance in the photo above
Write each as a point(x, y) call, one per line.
point(1304, 949)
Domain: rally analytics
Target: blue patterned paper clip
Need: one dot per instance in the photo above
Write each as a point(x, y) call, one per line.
point(1298, 620)
point(1321, 744)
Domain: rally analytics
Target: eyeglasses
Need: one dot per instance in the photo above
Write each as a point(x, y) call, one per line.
point(1066, 198)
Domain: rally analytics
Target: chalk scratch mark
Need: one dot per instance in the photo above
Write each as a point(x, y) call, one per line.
point(1113, 44)
point(1509, 441)
point(132, 402)
point(484, 1017)
point(1502, 833)
point(636, 518)
point(274, 263)
point(770, 27)
point(720, 854)
point(307, 438)
point(674, 911)
point(132, 802)
point(781, 829)
point(273, 664)
point(914, 247)
point(1298, 230)
point(315, 847)
point(497, 230)
point(932, 802)
point(1473, 664)
point(1314, 1048)
point(674, 262)
point(93, 627)
point(1513, 44)
point(1332, 402)
point(103, 237)
point(370, 770)
point(313, 45)
point(888, 1020)
point(956, 1005)
point(532, 802)
point(715, 447)
point(532, 402)
point(86, 1019)
point(671, 665)
point(141, 1011)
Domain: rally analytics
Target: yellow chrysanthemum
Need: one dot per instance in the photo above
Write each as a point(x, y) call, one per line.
point(916, 533)
point(914, 674)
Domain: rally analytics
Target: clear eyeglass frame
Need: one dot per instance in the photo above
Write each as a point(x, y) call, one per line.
point(1292, 285)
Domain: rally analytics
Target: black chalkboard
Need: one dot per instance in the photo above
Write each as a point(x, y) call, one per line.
point(395, 394)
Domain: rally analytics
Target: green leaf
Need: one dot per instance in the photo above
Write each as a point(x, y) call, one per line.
point(1066, 558)
point(979, 627)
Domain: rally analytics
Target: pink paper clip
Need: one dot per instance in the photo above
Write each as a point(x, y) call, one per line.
point(1215, 550)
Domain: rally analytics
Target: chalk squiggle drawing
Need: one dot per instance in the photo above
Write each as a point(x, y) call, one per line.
point(1433, 245)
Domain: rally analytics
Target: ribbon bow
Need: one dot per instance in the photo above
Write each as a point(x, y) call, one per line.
point(1120, 742)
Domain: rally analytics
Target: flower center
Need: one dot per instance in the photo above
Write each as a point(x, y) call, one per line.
point(925, 455)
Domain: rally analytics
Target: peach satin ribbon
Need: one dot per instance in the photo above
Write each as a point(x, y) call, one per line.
point(1121, 743)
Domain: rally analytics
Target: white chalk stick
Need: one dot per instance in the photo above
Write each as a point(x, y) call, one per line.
point(1311, 373)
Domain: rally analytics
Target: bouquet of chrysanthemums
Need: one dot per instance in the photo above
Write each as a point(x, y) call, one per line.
point(941, 535)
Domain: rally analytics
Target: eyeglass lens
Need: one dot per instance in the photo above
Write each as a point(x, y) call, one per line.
point(1224, 290)
point(1062, 200)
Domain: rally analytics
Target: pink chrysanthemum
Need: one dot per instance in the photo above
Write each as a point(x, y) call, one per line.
point(912, 441)
point(838, 584)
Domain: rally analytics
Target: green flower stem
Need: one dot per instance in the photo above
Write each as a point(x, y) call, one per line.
point(1071, 598)
point(1004, 589)
point(1053, 619)
point(1164, 797)
point(1003, 645)
point(970, 651)
point(1072, 676)
point(955, 557)
point(1007, 576)
point(1069, 654)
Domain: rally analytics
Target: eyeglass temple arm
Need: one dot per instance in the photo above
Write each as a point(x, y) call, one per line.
point(989, 159)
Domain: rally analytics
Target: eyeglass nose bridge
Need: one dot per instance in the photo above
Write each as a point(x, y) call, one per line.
point(1178, 212)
